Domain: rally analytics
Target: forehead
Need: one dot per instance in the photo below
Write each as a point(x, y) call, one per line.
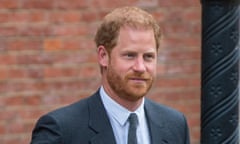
point(136, 35)
point(135, 32)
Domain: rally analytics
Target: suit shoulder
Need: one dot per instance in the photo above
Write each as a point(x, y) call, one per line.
point(68, 123)
point(173, 121)
point(72, 112)
point(161, 109)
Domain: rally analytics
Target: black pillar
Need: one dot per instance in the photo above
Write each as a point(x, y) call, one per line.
point(220, 72)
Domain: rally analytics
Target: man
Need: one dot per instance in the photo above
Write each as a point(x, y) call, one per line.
point(127, 44)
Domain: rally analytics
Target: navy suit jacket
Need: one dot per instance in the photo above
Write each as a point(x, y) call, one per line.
point(86, 122)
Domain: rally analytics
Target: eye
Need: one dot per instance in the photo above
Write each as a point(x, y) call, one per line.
point(149, 57)
point(129, 55)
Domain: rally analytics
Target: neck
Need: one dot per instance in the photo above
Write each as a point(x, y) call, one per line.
point(130, 105)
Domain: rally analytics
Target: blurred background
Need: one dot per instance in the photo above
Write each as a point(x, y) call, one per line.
point(48, 58)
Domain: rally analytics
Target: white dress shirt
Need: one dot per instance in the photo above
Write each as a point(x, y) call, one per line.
point(118, 116)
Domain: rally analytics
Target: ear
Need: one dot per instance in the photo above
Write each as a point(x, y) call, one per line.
point(102, 56)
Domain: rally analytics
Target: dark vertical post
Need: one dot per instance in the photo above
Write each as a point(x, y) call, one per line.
point(220, 72)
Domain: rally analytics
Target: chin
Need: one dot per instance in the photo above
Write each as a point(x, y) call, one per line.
point(135, 96)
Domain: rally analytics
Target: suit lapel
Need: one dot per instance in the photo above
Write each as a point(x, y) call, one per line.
point(99, 122)
point(156, 125)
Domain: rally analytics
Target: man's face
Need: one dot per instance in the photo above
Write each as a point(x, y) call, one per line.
point(132, 63)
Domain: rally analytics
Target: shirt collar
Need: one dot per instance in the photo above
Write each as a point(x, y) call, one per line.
point(118, 112)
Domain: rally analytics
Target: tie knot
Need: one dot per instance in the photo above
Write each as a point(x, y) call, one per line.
point(133, 119)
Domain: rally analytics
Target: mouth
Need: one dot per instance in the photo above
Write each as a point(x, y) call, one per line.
point(138, 79)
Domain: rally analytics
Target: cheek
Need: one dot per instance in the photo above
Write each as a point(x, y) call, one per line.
point(123, 70)
point(122, 67)
point(118, 69)
point(152, 69)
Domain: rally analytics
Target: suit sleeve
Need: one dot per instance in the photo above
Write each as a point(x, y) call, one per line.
point(46, 131)
point(187, 137)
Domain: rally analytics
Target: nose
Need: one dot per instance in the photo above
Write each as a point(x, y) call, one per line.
point(139, 65)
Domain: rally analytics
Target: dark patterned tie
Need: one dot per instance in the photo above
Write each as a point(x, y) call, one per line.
point(132, 135)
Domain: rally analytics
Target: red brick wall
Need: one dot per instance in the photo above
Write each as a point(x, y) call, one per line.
point(48, 58)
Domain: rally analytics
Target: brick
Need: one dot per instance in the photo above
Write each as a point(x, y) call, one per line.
point(74, 58)
point(16, 74)
point(23, 17)
point(13, 139)
point(194, 120)
point(60, 72)
point(182, 68)
point(72, 44)
point(25, 73)
point(187, 41)
point(32, 100)
point(3, 88)
point(113, 4)
point(7, 59)
point(176, 3)
point(31, 113)
point(65, 17)
point(51, 99)
point(4, 17)
point(33, 59)
point(16, 87)
point(35, 30)
point(160, 16)
point(2, 129)
point(64, 86)
point(37, 4)
point(89, 71)
point(193, 14)
point(20, 44)
point(72, 4)
point(3, 46)
point(37, 17)
point(147, 4)
point(7, 31)
point(183, 55)
point(67, 99)
point(2, 99)
point(3, 74)
point(15, 101)
point(90, 16)
point(52, 44)
point(9, 4)
point(15, 128)
point(70, 30)
point(178, 82)
point(11, 115)
point(85, 45)
point(18, 17)
point(177, 95)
